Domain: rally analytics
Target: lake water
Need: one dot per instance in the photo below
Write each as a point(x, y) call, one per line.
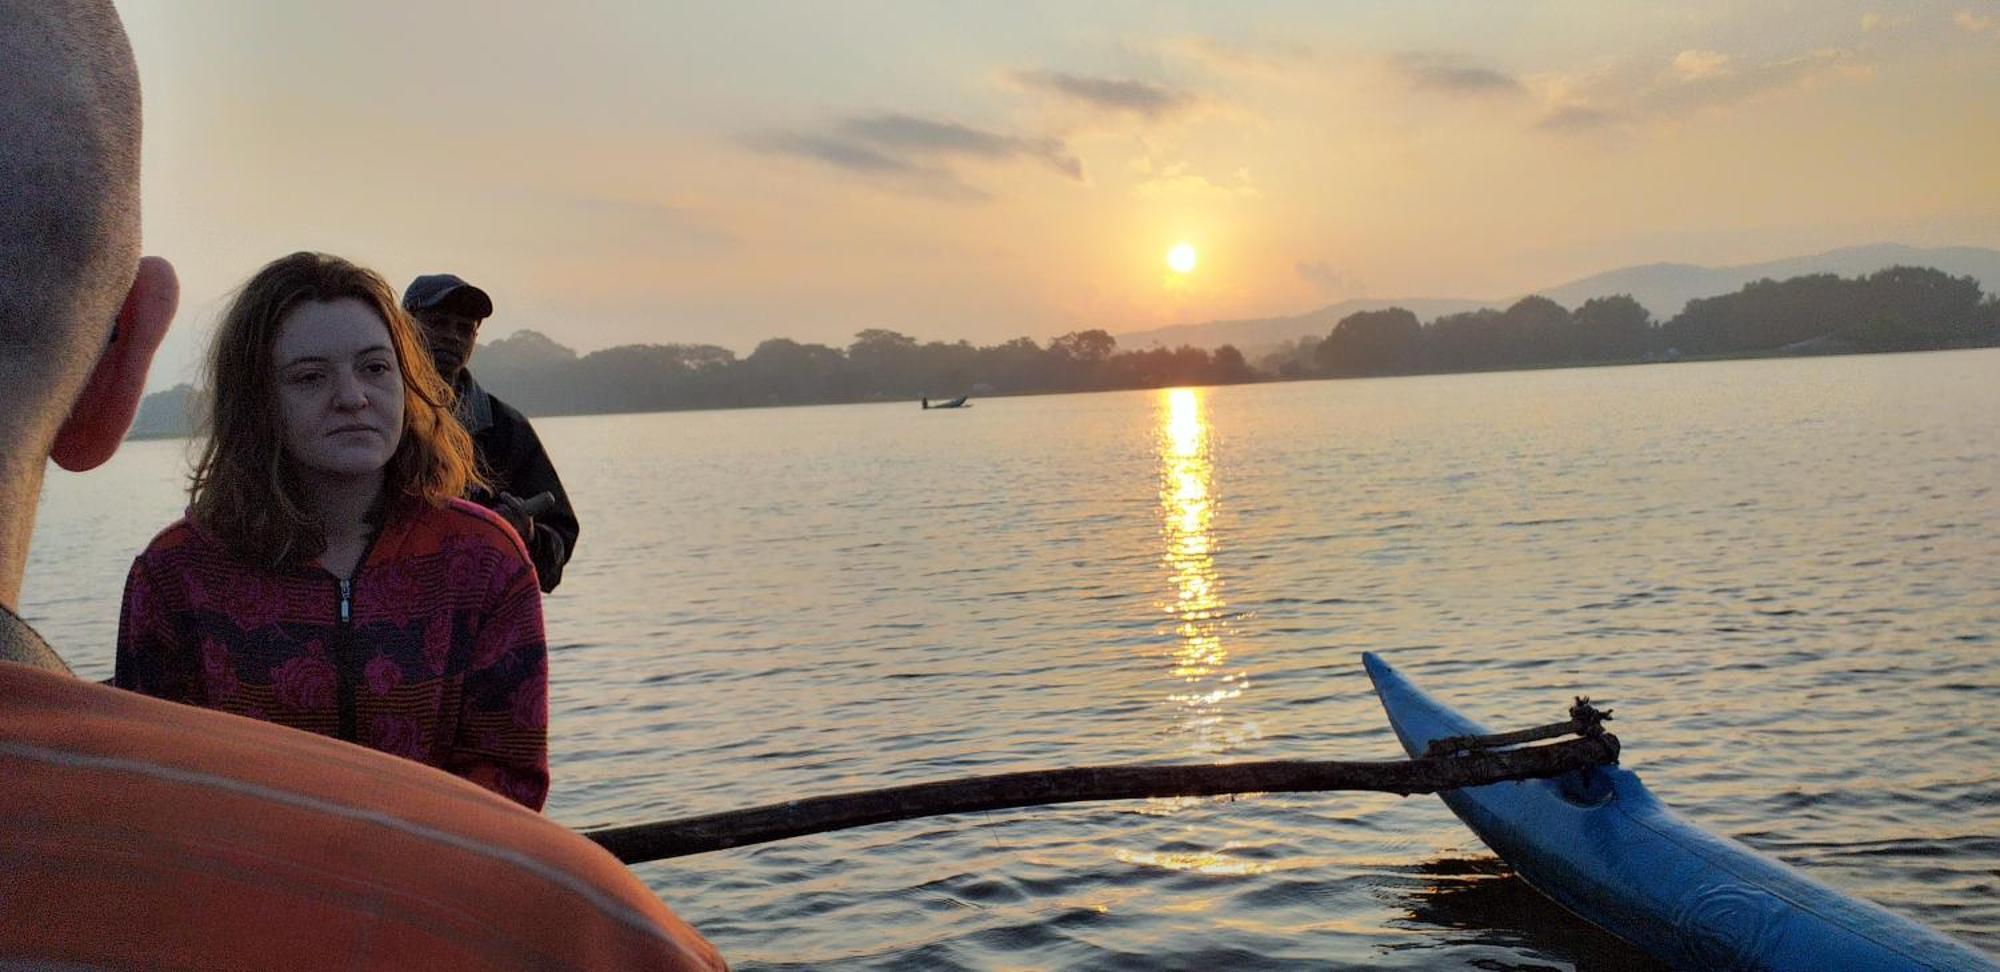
point(1785, 576)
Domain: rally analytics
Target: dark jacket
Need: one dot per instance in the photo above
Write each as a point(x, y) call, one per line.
point(512, 457)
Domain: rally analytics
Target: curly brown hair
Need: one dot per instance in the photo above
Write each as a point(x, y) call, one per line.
point(244, 488)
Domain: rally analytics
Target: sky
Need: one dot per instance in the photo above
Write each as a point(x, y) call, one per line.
point(648, 172)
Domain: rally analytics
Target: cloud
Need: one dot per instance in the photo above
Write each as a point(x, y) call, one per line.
point(1222, 57)
point(925, 137)
point(886, 169)
point(1695, 65)
point(1576, 118)
point(833, 150)
point(1433, 71)
point(1694, 80)
point(1176, 179)
point(1716, 81)
point(1972, 22)
point(1142, 98)
point(1321, 274)
point(1874, 21)
point(910, 153)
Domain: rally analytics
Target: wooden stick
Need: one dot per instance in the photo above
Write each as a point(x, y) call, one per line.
point(797, 818)
point(1584, 720)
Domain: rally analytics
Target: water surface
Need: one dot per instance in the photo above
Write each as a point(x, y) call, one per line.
point(1784, 575)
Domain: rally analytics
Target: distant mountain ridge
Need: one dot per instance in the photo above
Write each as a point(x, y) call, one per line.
point(1665, 288)
point(1662, 288)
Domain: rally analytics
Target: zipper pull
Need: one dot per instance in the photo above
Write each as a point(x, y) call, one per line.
point(346, 601)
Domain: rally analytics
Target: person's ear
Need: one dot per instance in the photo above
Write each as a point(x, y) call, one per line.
point(103, 413)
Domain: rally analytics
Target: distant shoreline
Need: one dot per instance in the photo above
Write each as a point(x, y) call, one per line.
point(1891, 310)
point(183, 433)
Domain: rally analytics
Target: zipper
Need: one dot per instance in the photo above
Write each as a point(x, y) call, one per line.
point(347, 667)
point(345, 677)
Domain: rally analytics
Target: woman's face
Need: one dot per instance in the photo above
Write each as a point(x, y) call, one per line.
point(340, 391)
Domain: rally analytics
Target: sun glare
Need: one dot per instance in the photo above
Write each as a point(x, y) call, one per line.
point(1181, 258)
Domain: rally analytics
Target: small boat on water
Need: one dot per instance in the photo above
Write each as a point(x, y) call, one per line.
point(1597, 842)
point(958, 402)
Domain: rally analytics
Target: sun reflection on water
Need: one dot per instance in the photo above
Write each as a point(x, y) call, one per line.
point(1197, 862)
point(1200, 658)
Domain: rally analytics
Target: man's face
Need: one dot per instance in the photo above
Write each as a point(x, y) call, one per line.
point(450, 336)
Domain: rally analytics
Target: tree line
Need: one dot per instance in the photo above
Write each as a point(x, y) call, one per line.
point(540, 376)
point(1897, 309)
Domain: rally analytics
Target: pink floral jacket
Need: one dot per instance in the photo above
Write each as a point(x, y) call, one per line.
point(432, 651)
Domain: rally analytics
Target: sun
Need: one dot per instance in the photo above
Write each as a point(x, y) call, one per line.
point(1181, 259)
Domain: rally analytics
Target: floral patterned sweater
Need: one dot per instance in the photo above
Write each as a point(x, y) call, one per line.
point(432, 651)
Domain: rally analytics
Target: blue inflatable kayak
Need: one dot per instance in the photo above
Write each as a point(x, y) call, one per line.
point(1597, 843)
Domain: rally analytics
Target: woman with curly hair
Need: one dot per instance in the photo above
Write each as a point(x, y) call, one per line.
point(326, 575)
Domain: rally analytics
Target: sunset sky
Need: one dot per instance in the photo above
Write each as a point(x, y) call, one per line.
point(638, 171)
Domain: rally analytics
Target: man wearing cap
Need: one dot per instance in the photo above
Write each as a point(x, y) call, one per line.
point(526, 490)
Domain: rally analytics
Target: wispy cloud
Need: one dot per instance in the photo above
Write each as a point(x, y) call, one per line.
point(911, 153)
point(1576, 118)
point(1694, 80)
point(1706, 79)
point(1451, 74)
point(833, 150)
point(1268, 60)
point(1141, 98)
point(1177, 178)
point(1694, 65)
point(926, 137)
point(1876, 21)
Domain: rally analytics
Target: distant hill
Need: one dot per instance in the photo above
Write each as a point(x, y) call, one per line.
point(165, 414)
point(1662, 288)
point(1665, 288)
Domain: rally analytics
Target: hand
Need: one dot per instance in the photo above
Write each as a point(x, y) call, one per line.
point(520, 513)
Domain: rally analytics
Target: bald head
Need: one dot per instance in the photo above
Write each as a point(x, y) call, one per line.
point(69, 215)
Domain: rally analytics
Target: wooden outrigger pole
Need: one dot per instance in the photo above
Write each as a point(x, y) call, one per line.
point(1470, 765)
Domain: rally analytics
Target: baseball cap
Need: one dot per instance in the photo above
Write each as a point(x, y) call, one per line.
point(438, 291)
